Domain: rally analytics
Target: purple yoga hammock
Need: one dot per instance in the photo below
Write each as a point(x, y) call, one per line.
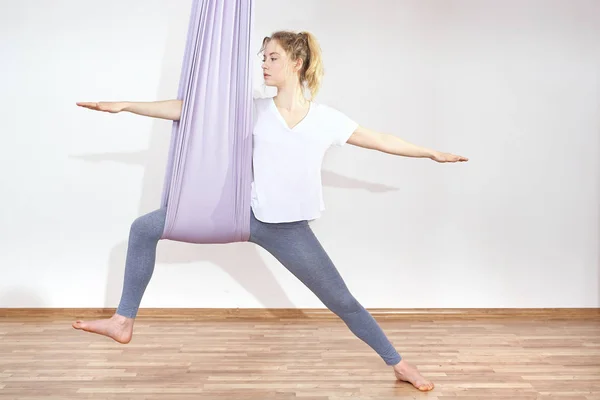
point(209, 169)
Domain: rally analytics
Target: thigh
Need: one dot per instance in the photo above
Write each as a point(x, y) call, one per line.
point(297, 248)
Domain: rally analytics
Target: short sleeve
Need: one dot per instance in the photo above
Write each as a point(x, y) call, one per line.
point(339, 125)
point(258, 107)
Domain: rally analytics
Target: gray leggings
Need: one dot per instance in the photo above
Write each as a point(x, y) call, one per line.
point(293, 244)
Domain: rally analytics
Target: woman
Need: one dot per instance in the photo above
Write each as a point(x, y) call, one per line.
point(291, 135)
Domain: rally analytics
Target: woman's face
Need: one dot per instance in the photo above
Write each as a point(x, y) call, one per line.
point(277, 67)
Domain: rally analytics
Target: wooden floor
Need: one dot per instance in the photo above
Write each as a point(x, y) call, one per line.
point(182, 357)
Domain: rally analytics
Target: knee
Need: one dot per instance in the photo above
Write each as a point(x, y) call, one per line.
point(344, 304)
point(149, 226)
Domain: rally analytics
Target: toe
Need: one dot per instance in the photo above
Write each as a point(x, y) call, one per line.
point(79, 324)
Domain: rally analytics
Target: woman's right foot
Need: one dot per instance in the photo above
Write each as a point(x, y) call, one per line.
point(117, 327)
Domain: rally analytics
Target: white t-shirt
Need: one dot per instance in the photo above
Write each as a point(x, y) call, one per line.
point(287, 162)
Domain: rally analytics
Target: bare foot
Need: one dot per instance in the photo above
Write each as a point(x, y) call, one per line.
point(409, 373)
point(117, 327)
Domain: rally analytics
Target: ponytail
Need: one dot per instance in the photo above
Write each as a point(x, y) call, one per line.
point(313, 73)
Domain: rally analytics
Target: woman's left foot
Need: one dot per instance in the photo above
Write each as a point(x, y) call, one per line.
point(409, 373)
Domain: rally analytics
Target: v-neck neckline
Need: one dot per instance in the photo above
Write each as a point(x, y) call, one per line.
point(282, 119)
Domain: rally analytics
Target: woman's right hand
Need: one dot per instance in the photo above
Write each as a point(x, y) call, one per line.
point(165, 109)
point(106, 106)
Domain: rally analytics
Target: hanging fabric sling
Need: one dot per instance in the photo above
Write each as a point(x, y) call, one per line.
point(209, 169)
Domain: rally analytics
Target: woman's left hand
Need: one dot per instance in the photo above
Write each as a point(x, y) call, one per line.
point(447, 157)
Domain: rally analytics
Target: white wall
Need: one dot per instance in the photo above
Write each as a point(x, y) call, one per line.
point(514, 85)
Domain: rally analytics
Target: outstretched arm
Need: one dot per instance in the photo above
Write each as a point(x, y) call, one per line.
point(390, 144)
point(164, 109)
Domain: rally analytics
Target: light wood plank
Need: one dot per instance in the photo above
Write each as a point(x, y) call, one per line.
point(198, 356)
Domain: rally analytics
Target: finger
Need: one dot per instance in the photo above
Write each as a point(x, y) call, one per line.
point(91, 106)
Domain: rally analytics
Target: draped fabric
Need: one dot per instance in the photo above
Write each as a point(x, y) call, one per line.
point(209, 168)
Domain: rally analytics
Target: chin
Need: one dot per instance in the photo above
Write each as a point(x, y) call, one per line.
point(269, 81)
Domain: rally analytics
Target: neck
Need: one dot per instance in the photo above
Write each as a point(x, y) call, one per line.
point(290, 97)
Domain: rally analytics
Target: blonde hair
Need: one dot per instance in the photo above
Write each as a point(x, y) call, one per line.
point(302, 45)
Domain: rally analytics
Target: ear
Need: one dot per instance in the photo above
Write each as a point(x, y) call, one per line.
point(298, 65)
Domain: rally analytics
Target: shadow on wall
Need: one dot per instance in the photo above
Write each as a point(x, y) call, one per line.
point(261, 283)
